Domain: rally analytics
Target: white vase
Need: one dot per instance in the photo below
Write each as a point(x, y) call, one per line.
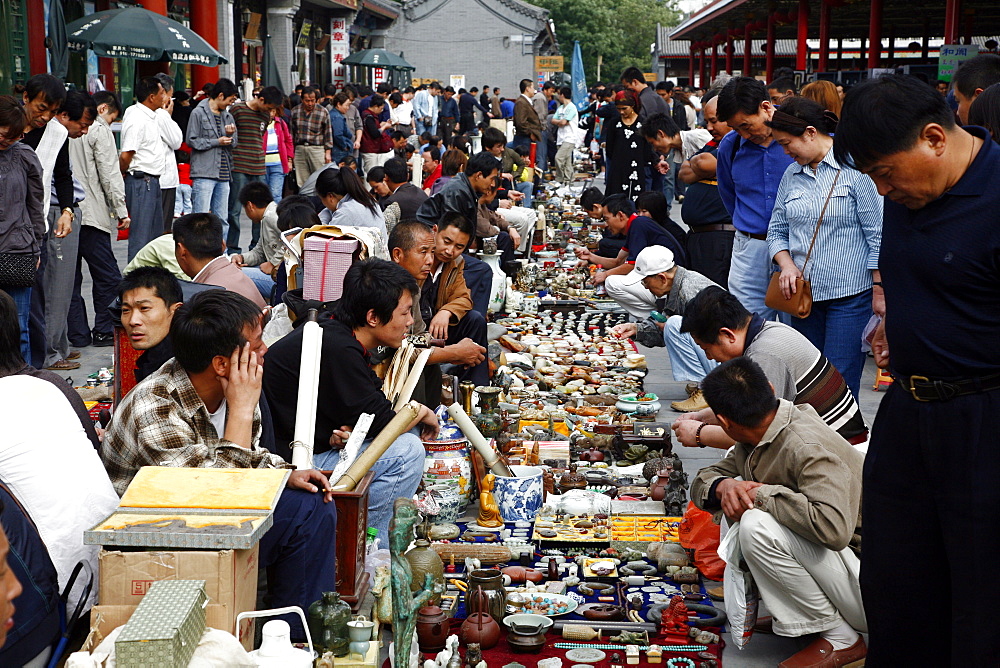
point(499, 290)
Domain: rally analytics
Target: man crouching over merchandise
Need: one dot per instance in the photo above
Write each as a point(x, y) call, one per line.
point(200, 410)
point(797, 509)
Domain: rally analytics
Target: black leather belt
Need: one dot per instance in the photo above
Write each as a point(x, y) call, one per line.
point(758, 237)
point(714, 227)
point(143, 175)
point(924, 389)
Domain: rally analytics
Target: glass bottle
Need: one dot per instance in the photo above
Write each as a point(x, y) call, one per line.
point(327, 620)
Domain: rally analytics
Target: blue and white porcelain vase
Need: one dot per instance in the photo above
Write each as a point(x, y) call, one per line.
point(519, 498)
point(449, 502)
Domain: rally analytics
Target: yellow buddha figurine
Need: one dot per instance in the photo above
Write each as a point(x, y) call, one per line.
point(489, 511)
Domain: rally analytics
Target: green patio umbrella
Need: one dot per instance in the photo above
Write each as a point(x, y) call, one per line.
point(269, 73)
point(56, 40)
point(140, 34)
point(377, 58)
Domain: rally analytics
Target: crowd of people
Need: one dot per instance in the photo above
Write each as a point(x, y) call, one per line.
point(780, 191)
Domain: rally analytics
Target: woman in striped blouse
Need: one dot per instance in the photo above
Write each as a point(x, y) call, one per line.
point(843, 267)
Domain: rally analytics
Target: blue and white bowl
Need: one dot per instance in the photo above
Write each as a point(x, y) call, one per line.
point(519, 498)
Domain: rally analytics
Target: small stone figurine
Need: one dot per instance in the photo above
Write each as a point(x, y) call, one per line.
point(473, 655)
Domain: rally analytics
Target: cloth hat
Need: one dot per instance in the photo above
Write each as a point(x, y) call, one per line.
point(651, 260)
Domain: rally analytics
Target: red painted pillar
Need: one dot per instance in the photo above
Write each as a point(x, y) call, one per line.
point(967, 33)
point(729, 53)
point(715, 61)
point(205, 22)
point(875, 34)
point(38, 62)
point(691, 65)
point(769, 48)
point(802, 49)
point(824, 37)
point(747, 45)
point(158, 6)
point(952, 11)
point(701, 67)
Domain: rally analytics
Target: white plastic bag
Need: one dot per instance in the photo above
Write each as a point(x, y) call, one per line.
point(742, 597)
point(279, 325)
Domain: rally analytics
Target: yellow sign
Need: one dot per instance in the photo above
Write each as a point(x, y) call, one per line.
point(649, 76)
point(549, 63)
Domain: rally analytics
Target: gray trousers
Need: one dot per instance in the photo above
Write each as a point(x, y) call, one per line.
point(145, 208)
point(60, 272)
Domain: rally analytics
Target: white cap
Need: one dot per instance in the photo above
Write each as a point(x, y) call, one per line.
point(652, 260)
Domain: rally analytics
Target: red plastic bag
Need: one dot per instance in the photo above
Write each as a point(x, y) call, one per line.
point(699, 533)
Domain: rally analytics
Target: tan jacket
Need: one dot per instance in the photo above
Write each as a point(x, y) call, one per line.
point(811, 476)
point(526, 121)
point(453, 294)
point(225, 274)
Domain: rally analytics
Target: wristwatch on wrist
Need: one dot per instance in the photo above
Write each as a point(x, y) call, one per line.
point(72, 216)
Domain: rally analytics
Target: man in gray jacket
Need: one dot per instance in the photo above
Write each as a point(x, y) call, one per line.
point(102, 213)
point(673, 287)
point(791, 488)
point(211, 134)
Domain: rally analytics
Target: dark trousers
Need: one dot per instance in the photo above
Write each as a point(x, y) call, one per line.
point(710, 253)
point(467, 123)
point(36, 316)
point(145, 208)
point(479, 278)
point(472, 326)
point(654, 180)
point(168, 198)
point(932, 530)
point(446, 126)
point(95, 248)
point(235, 209)
point(299, 553)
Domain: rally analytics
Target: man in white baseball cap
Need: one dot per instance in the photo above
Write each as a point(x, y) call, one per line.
point(660, 289)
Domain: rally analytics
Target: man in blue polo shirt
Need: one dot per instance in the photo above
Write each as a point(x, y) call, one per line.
point(750, 167)
point(930, 493)
point(640, 232)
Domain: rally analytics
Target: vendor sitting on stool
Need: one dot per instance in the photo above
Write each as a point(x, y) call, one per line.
point(375, 310)
point(797, 507)
point(200, 410)
point(411, 245)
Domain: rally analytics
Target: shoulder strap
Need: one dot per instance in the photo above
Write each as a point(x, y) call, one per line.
point(820, 222)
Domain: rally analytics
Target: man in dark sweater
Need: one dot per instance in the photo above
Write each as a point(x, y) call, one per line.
point(403, 194)
point(375, 311)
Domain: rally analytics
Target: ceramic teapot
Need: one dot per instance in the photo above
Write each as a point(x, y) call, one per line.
point(479, 627)
point(433, 627)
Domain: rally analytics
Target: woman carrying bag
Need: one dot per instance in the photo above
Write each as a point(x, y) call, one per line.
point(824, 235)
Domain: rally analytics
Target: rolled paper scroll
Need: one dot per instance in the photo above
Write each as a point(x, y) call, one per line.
point(479, 442)
point(396, 428)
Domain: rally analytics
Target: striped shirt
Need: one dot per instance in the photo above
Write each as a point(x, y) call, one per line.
point(847, 246)
point(250, 128)
point(802, 374)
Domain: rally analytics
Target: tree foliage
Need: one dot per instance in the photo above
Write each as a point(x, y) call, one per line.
point(619, 30)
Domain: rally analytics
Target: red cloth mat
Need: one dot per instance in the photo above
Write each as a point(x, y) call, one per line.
point(502, 654)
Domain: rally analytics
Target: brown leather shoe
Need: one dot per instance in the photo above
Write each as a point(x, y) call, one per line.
point(820, 654)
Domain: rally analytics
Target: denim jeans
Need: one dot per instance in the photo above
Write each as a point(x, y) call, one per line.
point(835, 326)
point(749, 274)
point(275, 179)
point(397, 474)
point(182, 200)
point(145, 207)
point(527, 188)
point(264, 282)
point(231, 231)
point(688, 361)
point(212, 195)
point(22, 302)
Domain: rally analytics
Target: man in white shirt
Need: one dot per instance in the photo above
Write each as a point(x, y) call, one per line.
point(565, 122)
point(142, 163)
point(171, 138)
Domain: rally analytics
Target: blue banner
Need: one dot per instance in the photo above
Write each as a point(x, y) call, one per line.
point(580, 93)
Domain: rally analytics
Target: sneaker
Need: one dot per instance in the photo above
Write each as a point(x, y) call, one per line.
point(691, 388)
point(102, 340)
point(695, 402)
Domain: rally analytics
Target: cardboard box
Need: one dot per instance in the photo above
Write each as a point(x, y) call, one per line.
point(230, 581)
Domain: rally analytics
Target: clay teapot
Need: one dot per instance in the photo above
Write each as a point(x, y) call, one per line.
point(604, 613)
point(592, 455)
point(658, 487)
point(433, 627)
point(479, 627)
point(520, 574)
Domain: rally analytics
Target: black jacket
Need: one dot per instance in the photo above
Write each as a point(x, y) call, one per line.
point(456, 197)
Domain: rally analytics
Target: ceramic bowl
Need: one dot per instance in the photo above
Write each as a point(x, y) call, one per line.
point(528, 623)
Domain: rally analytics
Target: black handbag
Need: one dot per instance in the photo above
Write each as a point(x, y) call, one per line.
point(17, 270)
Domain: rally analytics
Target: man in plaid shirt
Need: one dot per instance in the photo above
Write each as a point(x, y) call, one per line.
point(200, 409)
point(312, 134)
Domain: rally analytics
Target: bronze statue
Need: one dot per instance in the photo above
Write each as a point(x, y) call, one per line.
point(404, 603)
point(489, 511)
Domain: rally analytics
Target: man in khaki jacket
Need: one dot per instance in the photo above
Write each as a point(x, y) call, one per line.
point(797, 508)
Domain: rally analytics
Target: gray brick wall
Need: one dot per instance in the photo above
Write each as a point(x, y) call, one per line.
point(464, 37)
